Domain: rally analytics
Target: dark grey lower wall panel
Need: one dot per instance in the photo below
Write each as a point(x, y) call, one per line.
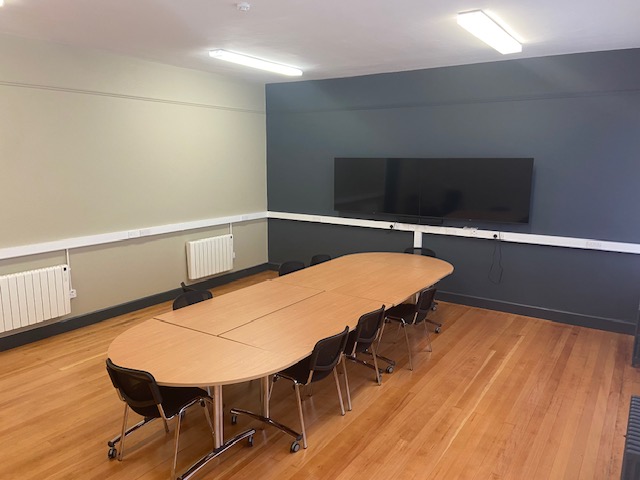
point(570, 318)
point(46, 331)
point(583, 287)
point(292, 240)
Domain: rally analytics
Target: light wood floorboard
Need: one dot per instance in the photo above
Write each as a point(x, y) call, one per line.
point(500, 397)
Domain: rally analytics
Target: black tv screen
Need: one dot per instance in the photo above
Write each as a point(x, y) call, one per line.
point(376, 185)
point(483, 189)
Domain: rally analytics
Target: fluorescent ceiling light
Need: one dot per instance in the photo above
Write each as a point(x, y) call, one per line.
point(479, 24)
point(254, 62)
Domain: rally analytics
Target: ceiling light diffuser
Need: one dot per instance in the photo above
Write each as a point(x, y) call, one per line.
point(255, 63)
point(479, 24)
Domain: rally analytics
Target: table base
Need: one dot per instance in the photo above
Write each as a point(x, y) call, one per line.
point(193, 469)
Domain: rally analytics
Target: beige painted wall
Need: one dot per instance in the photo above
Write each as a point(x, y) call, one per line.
point(94, 143)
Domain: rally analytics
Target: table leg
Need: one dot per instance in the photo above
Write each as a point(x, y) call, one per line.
point(218, 416)
point(264, 394)
point(264, 417)
point(218, 429)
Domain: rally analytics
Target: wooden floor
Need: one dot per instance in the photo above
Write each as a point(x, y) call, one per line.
point(500, 397)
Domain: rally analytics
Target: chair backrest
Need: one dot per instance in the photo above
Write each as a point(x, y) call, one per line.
point(290, 266)
point(186, 288)
point(136, 387)
point(190, 297)
point(424, 303)
point(427, 252)
point(327, 352)
point(321, 257)
point(367, 330)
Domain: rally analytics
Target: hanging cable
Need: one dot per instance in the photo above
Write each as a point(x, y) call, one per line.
point(496, 270)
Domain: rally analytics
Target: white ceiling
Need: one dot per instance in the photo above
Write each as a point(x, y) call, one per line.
point(325, 38)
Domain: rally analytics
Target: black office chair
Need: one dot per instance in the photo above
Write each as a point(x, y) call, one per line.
point(290, 267)
point(427, 252)
point(362, 339)
point(323, 360)
point(140, 392)
point(187, 288)
point(407, 314)
point(190, 297)
point(320, 258)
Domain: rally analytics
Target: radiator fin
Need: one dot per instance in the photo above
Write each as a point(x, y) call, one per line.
point(28, 298)
point(209, 256)
point(631, 457)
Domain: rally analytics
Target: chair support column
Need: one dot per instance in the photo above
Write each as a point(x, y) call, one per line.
point(175, 447)
point(301, 415)
point(406, 337)
point(346, 381)
point(124, 432)
point(375, 363)
point(335, 376)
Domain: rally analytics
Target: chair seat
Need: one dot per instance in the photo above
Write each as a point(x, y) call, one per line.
point(300, 372)
point(351, 340)
point(360, 347)
point(174, 398)
point(404, 311)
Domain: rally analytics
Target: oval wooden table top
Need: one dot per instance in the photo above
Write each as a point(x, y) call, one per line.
point(262, 329)
point(181, 357)
point(390, 278)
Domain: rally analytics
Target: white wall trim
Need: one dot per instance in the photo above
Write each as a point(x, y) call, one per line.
point(100, 239)
point(529, 238)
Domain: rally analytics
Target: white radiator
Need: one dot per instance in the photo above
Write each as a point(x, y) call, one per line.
point(209, 256)
point(27, 298)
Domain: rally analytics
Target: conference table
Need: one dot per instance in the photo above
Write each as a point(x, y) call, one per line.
point(260, 330)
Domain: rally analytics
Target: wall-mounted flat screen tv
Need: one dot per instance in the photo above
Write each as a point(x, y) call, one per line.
point(376, 185)
point(482, 189)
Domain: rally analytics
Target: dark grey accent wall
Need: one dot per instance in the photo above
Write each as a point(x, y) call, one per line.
point(301, 240)
point(576, 115)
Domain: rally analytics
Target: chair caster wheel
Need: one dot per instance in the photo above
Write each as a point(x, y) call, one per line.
point(437, 330)
point(113, 453)
point(250, 441)
point(389, 369)
point(295, 446)
point(234, 419)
